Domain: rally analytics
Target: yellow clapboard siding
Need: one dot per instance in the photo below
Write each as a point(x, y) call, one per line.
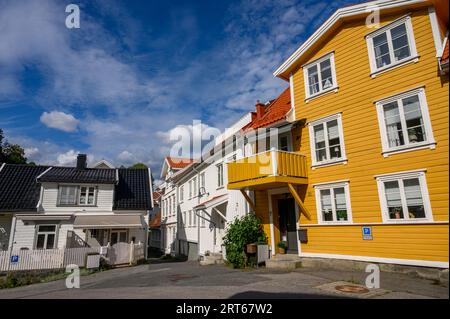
point(355, 99)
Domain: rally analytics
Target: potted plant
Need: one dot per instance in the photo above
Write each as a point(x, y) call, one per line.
point(282, 246)
point(342, 215)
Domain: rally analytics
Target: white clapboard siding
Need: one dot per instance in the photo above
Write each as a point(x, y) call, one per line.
point(138, 251)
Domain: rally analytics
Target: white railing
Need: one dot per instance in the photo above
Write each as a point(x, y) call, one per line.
point(44, 259)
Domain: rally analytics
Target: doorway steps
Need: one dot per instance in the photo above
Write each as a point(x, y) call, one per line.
point(211, 259)
point(284, 261)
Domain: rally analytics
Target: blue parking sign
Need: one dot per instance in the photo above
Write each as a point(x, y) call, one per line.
point(367, 233)
point(14, 259)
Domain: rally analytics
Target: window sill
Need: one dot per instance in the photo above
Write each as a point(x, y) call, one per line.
point(317, 95)
point(220, 187)
point(410, 60)
point(408, 221)
point(339, 162)
point(77, 206)
point(335, 223)
point(409, 148)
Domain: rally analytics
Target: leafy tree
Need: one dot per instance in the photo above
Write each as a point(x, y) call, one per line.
point(139, 166)
point(11, 153)
point(245, 230)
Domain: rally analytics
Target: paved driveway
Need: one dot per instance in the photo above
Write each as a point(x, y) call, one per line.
point(189, 280)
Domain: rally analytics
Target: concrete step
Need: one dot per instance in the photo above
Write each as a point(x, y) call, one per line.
point(286, 257)
point(283, 264)
point(212, 259)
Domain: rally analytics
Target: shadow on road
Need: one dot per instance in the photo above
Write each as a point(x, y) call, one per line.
point(270, 295)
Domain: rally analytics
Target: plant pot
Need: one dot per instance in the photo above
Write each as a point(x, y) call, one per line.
point(251, 248)
point(281, 250)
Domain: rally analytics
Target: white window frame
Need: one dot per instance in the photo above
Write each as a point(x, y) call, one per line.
point(46, 233)
point(181, 195)
point(317, 62)
point(420, 174)
point(87, 195)
point(331, 186)
point(220, 179)
point(429, 143)
point(190, 218)
point(60, 188)
point(174, 206)
point(195, 190)
point(411, 42)
point(322, 121)
point(190, 189)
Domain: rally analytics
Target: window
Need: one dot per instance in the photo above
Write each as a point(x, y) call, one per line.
point(46, 237)
point(327, 140)
point(181, 194)
point(190, 189)
point(77, 195)
point(68, 195)
point(333, 203)
point(194, 183)
point(391, 45)
point(194, 218)
point(190, 218)
point(404, 197)
point(219, 175)
point(202, 180)
point(87, 195)
point(404, 122)
point(174, 205)
point(320, 76)
point(284, 142)
point(183, 222)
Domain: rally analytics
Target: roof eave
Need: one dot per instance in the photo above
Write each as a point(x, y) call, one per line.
point(351, 11)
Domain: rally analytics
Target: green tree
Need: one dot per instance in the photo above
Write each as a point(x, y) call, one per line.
point(139, 166)
point(245, 230)
point(11, 153)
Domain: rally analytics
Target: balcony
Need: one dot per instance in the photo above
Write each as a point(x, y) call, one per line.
point(267, 170)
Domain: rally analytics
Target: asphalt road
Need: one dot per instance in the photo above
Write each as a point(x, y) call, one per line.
point(190, 280)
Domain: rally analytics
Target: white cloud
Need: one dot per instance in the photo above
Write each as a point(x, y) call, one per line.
point(68, 158)
point(31, 152)
point(126, 157)
point(60, 120)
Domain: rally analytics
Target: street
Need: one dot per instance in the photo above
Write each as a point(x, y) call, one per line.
point(189, 280)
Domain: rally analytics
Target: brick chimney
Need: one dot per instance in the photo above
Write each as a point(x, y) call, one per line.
point(260, 109)
point(81, 161)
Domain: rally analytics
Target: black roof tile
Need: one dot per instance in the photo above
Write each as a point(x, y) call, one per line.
point(18, 188)
point(133, 190)
point(74, 175)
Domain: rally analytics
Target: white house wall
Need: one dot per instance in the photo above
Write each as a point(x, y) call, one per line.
point(105, 196)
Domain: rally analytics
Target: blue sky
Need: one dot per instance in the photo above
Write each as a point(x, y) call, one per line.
point(136, 70)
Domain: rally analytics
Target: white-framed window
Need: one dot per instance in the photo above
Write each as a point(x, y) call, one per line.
point(320, 76)
point(190, 218)
point(202, 180)
point(184, 219)
point(333, 203)
point(391, 45)
point(45, 237)
point(190, 189)
point(194, 218)
point(404, 122)
point(68, 195)
point(404, 197)
point(194, 184)
point(181, 196)
point(174, 205)
point(87, 195)
point(327, 140)
point(219, 175)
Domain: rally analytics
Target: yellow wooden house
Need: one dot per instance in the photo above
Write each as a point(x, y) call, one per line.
point(367, 177)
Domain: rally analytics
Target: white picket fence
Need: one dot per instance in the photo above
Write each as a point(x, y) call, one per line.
point(60, 258)
point(43, 259)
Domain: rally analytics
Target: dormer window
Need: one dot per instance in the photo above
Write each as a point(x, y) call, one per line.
point(74, 195)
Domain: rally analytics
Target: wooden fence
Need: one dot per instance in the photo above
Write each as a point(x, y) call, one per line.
point(43, 259)
point(60, 258)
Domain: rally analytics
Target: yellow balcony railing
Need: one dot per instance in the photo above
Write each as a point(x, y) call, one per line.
point(267, 168)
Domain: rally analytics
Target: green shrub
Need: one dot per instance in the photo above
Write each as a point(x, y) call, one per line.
point(245, 230)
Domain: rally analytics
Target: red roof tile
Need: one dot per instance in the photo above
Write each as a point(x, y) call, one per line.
point(274, 112)
point(179, 162)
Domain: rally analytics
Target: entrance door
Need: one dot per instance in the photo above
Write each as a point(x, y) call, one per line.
point(118, 236)
point(288, 224)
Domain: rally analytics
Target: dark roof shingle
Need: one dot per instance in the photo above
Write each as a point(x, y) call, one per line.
point(133, 190)
point(74, 175)
point(18, 188)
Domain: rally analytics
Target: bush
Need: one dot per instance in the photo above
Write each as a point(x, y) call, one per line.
point(245, 230)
